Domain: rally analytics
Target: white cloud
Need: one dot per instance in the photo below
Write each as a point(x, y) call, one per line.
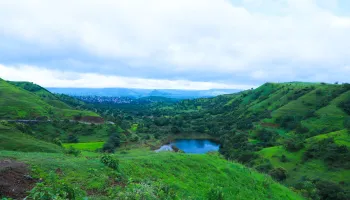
point(56, 78)
point(209, 36)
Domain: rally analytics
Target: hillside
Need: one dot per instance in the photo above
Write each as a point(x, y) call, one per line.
point(23, 100)
point(143, 174)
point(272, 129)
point(295, 133)
point(11, 139)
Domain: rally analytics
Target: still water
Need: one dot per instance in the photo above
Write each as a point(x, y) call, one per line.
point(196, 146)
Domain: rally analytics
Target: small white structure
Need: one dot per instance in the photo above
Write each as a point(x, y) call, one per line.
point(165, 148)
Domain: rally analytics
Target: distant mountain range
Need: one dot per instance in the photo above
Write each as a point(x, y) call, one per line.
point(138, 93)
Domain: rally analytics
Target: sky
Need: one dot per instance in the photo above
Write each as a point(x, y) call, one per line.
point(176, 44)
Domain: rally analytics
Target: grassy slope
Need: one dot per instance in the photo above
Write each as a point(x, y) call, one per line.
point(88, 146)
point(293, 99)
point(12, 139)
point(314, 168)
point(17, 102)
point(191, 175)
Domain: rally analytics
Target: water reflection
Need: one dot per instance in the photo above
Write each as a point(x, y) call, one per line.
point(196, 146)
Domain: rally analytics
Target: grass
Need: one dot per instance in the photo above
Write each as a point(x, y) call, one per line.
point(12, 139)
point(340, 137)
point(315, 169)
point(89, 146)
point(190, 175)
point(19, 103)
point(134, 128)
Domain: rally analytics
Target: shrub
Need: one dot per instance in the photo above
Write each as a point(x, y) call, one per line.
point(246, 157)
point(57, 141)
point(71, 150)
point(144, 191)
point(284, 158)
point(157, 136)
point(345, 105)
point(110, 162)
point(308, 189)
point(327, 150)
point(331, 191)
point(293, 144)
point(278, 173)
point(347, 123)
point(72, 139)
point(147, 137)
point(267, 137)
point(215, 193)
point(301, 129)
point(264, 168)
point(53, 188)
point(112, 143)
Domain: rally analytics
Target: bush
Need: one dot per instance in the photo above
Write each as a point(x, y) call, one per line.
point(345, 105)
point(246, 156)
point(112, 143)
point(71, 150)
point(157, 136)
point(110, 162)
point(215, 193)
point(347, 123)
point(57, 141)
point(331, 191)
point(144, 191)
point(301, 129)
point(284, 159)
point(265, 167)
point(278, 173)
point(135, 139)
point(293, 144)
point(308, 189)
point(327, 150)
point(53, 188)
point(72, 139)
point(267, 137)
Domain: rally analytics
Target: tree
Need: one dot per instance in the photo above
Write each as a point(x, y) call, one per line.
point(112, 143)
point(293, 144)
point(72, 139)
point(331, 191)
point(347, 123)
point(278, 173)
point(175, 130)
point(266, 136)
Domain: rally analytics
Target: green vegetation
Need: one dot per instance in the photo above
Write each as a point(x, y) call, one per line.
point(294, 133)
point(88, 146)
point(23, 100)
point(159, 175)
point(13, 139)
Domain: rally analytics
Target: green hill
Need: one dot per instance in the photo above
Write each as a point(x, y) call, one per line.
point(295, 133)
point(274, 129)
point(316, 168)
point(23, 100)
point(12, 139)
point(149, 175)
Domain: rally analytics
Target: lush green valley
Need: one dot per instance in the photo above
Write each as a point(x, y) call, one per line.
point(292, 140)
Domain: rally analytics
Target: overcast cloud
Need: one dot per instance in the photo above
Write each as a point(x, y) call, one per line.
point(190, 44)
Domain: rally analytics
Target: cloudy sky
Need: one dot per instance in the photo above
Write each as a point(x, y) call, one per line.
point(188, 44)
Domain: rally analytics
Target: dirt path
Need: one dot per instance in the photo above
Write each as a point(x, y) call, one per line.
point(14, 179)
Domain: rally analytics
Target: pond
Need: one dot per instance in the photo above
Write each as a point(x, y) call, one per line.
point(196, 146)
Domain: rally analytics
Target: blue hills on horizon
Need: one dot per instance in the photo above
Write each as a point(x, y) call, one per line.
point(139, 93)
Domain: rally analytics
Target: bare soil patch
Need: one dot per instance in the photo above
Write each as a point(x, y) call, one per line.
point(15, 180)
point(270, 125)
